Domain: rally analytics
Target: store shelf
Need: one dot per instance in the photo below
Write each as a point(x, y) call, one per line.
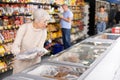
point(6, 41)
point(53, 13)
point(8, 28)
point(53, 22)
point(75, 26)
point(2, 15)
point(77, 19)
point(16, 2)
point(6, 53)
point(6, 69)
point(75, 32)
point(77, 11)
point(34, 3)
point(76, 6)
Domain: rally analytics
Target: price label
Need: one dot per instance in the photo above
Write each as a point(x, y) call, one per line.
point(10, 67)
point(5, 27)
point(2, 55)
point(6, 69)
point(2, 70)
point(8, 52)
point(1, 41)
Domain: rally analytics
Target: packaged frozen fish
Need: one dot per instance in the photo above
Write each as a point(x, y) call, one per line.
point(32, 53)
point(57, 72)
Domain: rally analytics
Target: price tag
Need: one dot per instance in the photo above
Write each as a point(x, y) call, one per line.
point(3, 70)
point(8, 52)
point(5, 27)
point(2, 55)
point(11, 68)
point(4, 41)
point(6, 14)
point(1, 41)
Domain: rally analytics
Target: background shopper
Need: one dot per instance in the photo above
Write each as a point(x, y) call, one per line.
point(112, 14)
point(66, 20)
point(102, 18)
point(117, 17)
point(29, 36)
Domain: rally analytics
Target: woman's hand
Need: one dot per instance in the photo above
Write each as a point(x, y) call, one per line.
point(40, 54)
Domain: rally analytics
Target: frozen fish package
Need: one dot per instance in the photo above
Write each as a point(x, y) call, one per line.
point(59, 72)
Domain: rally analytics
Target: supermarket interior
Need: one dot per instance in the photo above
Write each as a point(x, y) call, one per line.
point(59, 39)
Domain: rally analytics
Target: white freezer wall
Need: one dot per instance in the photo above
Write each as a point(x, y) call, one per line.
point(108, 67)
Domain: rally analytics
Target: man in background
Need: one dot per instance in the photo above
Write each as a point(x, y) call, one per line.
point(112, 16)
point(66, 20)
point(117, 17)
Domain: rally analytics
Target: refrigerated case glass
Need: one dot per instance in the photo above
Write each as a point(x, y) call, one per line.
point(24, 76)
point(110, 36)
point(82, 53)
point(98, 42)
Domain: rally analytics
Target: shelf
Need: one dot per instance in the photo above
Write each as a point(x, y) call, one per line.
point(53, 13)
point(75, 32)
point(7, 41)
point(8, 28)
point(6, 53)
point(15, 15)
point(77, 19)
point(6, 69)
point(76, 6)
point(56, 38)
point(53, 31)
point(34, 3)
point(16, 2)
point(75, 26)
point(53, 22)
point(76, 11)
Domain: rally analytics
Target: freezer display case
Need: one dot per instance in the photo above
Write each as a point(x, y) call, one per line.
point(109, 36)
point(55, 71)
point(108, 66)
point(83, 53)
point(98, 42)
point(24, 76)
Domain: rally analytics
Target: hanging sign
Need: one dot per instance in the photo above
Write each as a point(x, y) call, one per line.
point(114, 1)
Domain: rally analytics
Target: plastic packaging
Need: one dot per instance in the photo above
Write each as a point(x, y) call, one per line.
point(32, 53)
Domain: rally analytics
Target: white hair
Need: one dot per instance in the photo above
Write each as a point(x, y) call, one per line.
point(40, 14)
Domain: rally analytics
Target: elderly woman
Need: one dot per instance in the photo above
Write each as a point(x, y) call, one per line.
point(29, 36)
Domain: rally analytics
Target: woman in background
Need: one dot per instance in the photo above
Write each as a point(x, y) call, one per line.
point(101, 18)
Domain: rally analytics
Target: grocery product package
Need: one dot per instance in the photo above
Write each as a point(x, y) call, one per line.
point(56, 72)
point(31, 53)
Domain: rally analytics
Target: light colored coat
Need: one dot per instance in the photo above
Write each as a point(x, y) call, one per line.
point(27, 38)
